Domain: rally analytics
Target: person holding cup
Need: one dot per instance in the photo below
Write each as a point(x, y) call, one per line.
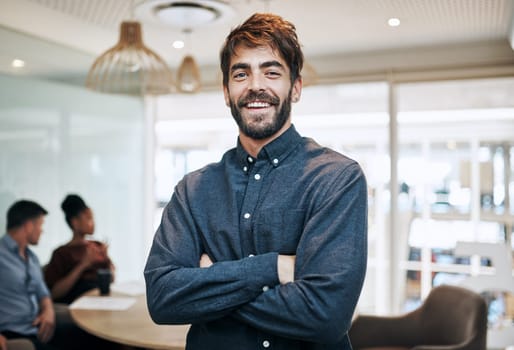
point(73, 268)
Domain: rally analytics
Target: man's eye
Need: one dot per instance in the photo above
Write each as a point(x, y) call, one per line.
point(273, 74)
point(239, 75)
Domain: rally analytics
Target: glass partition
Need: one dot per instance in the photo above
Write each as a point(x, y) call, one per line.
point(455, 159)
point(57, 139)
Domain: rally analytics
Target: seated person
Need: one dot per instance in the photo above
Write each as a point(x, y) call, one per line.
point(72, 269)
point(26, 309)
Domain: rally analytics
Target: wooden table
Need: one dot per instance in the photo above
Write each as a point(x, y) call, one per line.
point(132, 327)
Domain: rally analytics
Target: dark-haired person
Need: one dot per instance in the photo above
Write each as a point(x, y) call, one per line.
point(26, 309)
point(72, 269)
point(266, 248)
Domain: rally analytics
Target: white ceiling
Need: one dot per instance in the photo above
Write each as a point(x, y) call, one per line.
point(61, 38)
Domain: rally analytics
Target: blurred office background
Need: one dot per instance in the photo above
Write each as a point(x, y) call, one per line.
point(426, 107)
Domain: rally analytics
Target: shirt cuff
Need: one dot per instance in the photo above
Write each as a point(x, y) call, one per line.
point(261, 271)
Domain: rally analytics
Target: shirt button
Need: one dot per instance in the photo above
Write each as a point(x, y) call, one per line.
point(257, 177)
point(265, 288)
point(251, 255)
point(275, 161)
point(246, 216)
point(245, 169)
point(266, 344)
point(250, 159)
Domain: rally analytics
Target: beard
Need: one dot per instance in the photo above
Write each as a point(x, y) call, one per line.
point(260, 129)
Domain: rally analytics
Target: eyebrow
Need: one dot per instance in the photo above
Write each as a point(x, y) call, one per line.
point(266, 64)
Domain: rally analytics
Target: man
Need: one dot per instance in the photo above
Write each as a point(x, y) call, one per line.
point(26, 310)
point(267, 248)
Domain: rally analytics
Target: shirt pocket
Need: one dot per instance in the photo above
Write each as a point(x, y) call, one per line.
point(279, 230)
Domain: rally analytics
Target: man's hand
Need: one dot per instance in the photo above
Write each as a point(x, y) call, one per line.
point(205, 261)
point(285, 267)
point(3, 343)
point(45, 321)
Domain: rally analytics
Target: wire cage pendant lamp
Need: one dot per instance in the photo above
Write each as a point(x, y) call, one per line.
point(188, 75)
point(130, 67)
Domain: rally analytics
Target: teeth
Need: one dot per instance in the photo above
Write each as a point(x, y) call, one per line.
point(258, 104)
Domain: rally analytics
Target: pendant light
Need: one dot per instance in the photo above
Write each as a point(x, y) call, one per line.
point(130, 67)
point(188, 73)
point(186, 15)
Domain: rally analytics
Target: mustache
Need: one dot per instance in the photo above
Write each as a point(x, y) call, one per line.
point(257, 96)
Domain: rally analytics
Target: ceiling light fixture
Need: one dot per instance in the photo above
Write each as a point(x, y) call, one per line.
point(393, 22)
point(186, 15)
point(178, 44)
point(188, 73)
point(130, 67)
point(17, 63)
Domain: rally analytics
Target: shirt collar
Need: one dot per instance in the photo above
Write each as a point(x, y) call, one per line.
point(10, 243)
point(275, 151)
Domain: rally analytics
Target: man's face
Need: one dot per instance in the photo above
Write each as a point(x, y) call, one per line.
point(259, 92)
point(34, 230)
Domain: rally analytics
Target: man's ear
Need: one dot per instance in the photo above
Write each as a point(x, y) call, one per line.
point(296, 91)
point(226, 95)
point(28, 225)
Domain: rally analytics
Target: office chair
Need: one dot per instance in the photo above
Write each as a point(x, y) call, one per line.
point(20, 344)
point(451, 318)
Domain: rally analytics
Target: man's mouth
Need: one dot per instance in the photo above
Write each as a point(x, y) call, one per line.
point(258, 104)
point(258, 100)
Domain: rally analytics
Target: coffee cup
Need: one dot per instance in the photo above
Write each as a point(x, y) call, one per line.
point(104, 278)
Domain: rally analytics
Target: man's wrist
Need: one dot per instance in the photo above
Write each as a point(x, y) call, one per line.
point(285, 268)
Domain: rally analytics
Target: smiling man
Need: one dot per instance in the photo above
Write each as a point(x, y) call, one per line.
point(266, 248)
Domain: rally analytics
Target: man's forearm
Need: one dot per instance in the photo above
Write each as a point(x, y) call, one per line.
point(285, 266)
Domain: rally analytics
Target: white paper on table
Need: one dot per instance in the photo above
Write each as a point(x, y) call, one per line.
point(132, 288)
point(102, 303)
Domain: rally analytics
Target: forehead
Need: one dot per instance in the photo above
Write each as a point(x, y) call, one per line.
point(87, 213)
point(256, 56)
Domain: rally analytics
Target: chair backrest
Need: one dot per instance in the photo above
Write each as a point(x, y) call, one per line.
point(454, 315)
point(20, 344)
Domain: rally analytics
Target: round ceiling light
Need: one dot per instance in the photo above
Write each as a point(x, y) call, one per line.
point(184, 14)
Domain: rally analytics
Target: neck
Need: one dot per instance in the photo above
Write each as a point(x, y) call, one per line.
point(20, 237)
point(78, 237)
point(254, 146)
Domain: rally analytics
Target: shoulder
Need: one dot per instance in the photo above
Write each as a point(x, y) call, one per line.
point(33, 256)
point(64, 250)
point(327, 161)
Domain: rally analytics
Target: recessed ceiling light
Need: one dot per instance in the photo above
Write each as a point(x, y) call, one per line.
point(17, 63)
point(178, 44)
point(393, 22)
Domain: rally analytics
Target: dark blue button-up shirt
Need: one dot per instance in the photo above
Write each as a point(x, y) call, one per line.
point(295, 198)
point(22, 288)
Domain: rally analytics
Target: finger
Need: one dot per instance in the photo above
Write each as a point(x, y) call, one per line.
point(36, 321)
point(45, 333)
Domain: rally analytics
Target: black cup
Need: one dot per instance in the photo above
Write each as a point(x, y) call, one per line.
point(104, 281)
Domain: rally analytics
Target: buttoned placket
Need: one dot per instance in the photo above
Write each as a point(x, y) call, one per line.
point(256, 170)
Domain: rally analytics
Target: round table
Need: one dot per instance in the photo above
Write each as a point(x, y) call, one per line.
point(132, 326)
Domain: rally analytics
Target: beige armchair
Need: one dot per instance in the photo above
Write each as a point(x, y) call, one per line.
point(451, 318)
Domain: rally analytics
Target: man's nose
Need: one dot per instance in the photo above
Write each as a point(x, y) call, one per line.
point(257, 82)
